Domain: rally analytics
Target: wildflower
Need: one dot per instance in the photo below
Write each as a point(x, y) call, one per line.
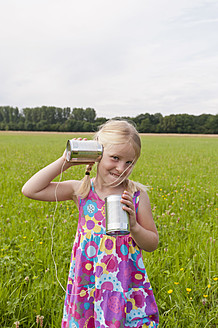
point(17, 323)
point(31, 239)
point(37, 319)
point(41, 242)
point(204, 300)
point(215, 278)
point(205, 296)
point(188, 290)
point(170, 291)
point(24, 237)
point(208, 286)
point(26, 278)
point(176, 283)
point(181, 269)
point(41, 321)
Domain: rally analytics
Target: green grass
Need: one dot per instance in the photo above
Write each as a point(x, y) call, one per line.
point(182, 175)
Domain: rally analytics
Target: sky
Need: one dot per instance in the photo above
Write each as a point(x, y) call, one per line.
point(120, 57)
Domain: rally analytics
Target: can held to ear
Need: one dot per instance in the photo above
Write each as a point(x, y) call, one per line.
point(84, 151)
point(117, 219)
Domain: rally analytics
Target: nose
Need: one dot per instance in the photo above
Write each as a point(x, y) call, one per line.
point(121, 166)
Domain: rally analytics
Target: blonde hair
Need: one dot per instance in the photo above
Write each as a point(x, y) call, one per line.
point(115, 132)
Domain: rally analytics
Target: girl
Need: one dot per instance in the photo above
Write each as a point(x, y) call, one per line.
point(107, 284)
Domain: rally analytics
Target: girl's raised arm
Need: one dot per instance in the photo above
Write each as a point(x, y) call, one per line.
point(41, 187)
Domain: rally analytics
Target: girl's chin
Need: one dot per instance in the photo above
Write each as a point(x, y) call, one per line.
point(114, 179)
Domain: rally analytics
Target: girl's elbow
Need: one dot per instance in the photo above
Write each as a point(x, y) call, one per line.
point(25, 191)
point(155, 243)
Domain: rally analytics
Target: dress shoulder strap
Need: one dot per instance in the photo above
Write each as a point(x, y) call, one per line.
point(92, 185)
point(136, 200)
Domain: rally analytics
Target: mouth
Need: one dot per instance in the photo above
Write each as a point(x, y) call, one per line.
point(115, 175)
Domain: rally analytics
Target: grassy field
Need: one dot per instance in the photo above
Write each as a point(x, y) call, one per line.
point(182, 175)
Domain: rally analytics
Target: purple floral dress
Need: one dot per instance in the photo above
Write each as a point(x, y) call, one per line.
point(108, 286)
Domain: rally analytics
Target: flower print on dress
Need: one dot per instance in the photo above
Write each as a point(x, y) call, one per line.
point(122, 247)
point(139, 298)
point(127, 271)
point(90, 208)
point(87, 319)
point(113, 305)
point(111, 263)
point(107, 244)
point(90, 250)
point(124, 274)
point(92, 219)
point(83, 270)
point(151, 306)
point(138, 278)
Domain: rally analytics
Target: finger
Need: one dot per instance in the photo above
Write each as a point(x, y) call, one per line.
point(128, 205)
point(127, 194)
point(129, 210)
point(126, 198)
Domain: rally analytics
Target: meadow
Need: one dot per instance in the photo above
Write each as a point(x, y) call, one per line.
point(181, 173)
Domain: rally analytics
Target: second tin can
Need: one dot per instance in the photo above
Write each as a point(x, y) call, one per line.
point(85, 151)
point(117, 219)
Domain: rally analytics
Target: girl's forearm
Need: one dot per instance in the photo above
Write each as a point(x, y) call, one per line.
point(42, 178)
point(145, 239)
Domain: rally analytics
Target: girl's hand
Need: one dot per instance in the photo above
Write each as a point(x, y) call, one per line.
point(129, 207)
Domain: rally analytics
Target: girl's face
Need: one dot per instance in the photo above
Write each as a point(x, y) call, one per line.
point(115, 165)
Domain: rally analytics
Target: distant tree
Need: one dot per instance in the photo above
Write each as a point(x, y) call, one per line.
point(66, 113)
point(211, 124)
point(87, 127)
point(90, 115)
point(78, 114)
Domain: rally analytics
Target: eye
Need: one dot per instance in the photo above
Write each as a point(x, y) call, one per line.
point(129, 162)
point(115, 158)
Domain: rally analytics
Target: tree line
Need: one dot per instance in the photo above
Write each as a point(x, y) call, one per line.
point(50, 118)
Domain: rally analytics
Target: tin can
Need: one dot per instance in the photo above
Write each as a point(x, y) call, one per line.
point(117, 219)
point(83, 151)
